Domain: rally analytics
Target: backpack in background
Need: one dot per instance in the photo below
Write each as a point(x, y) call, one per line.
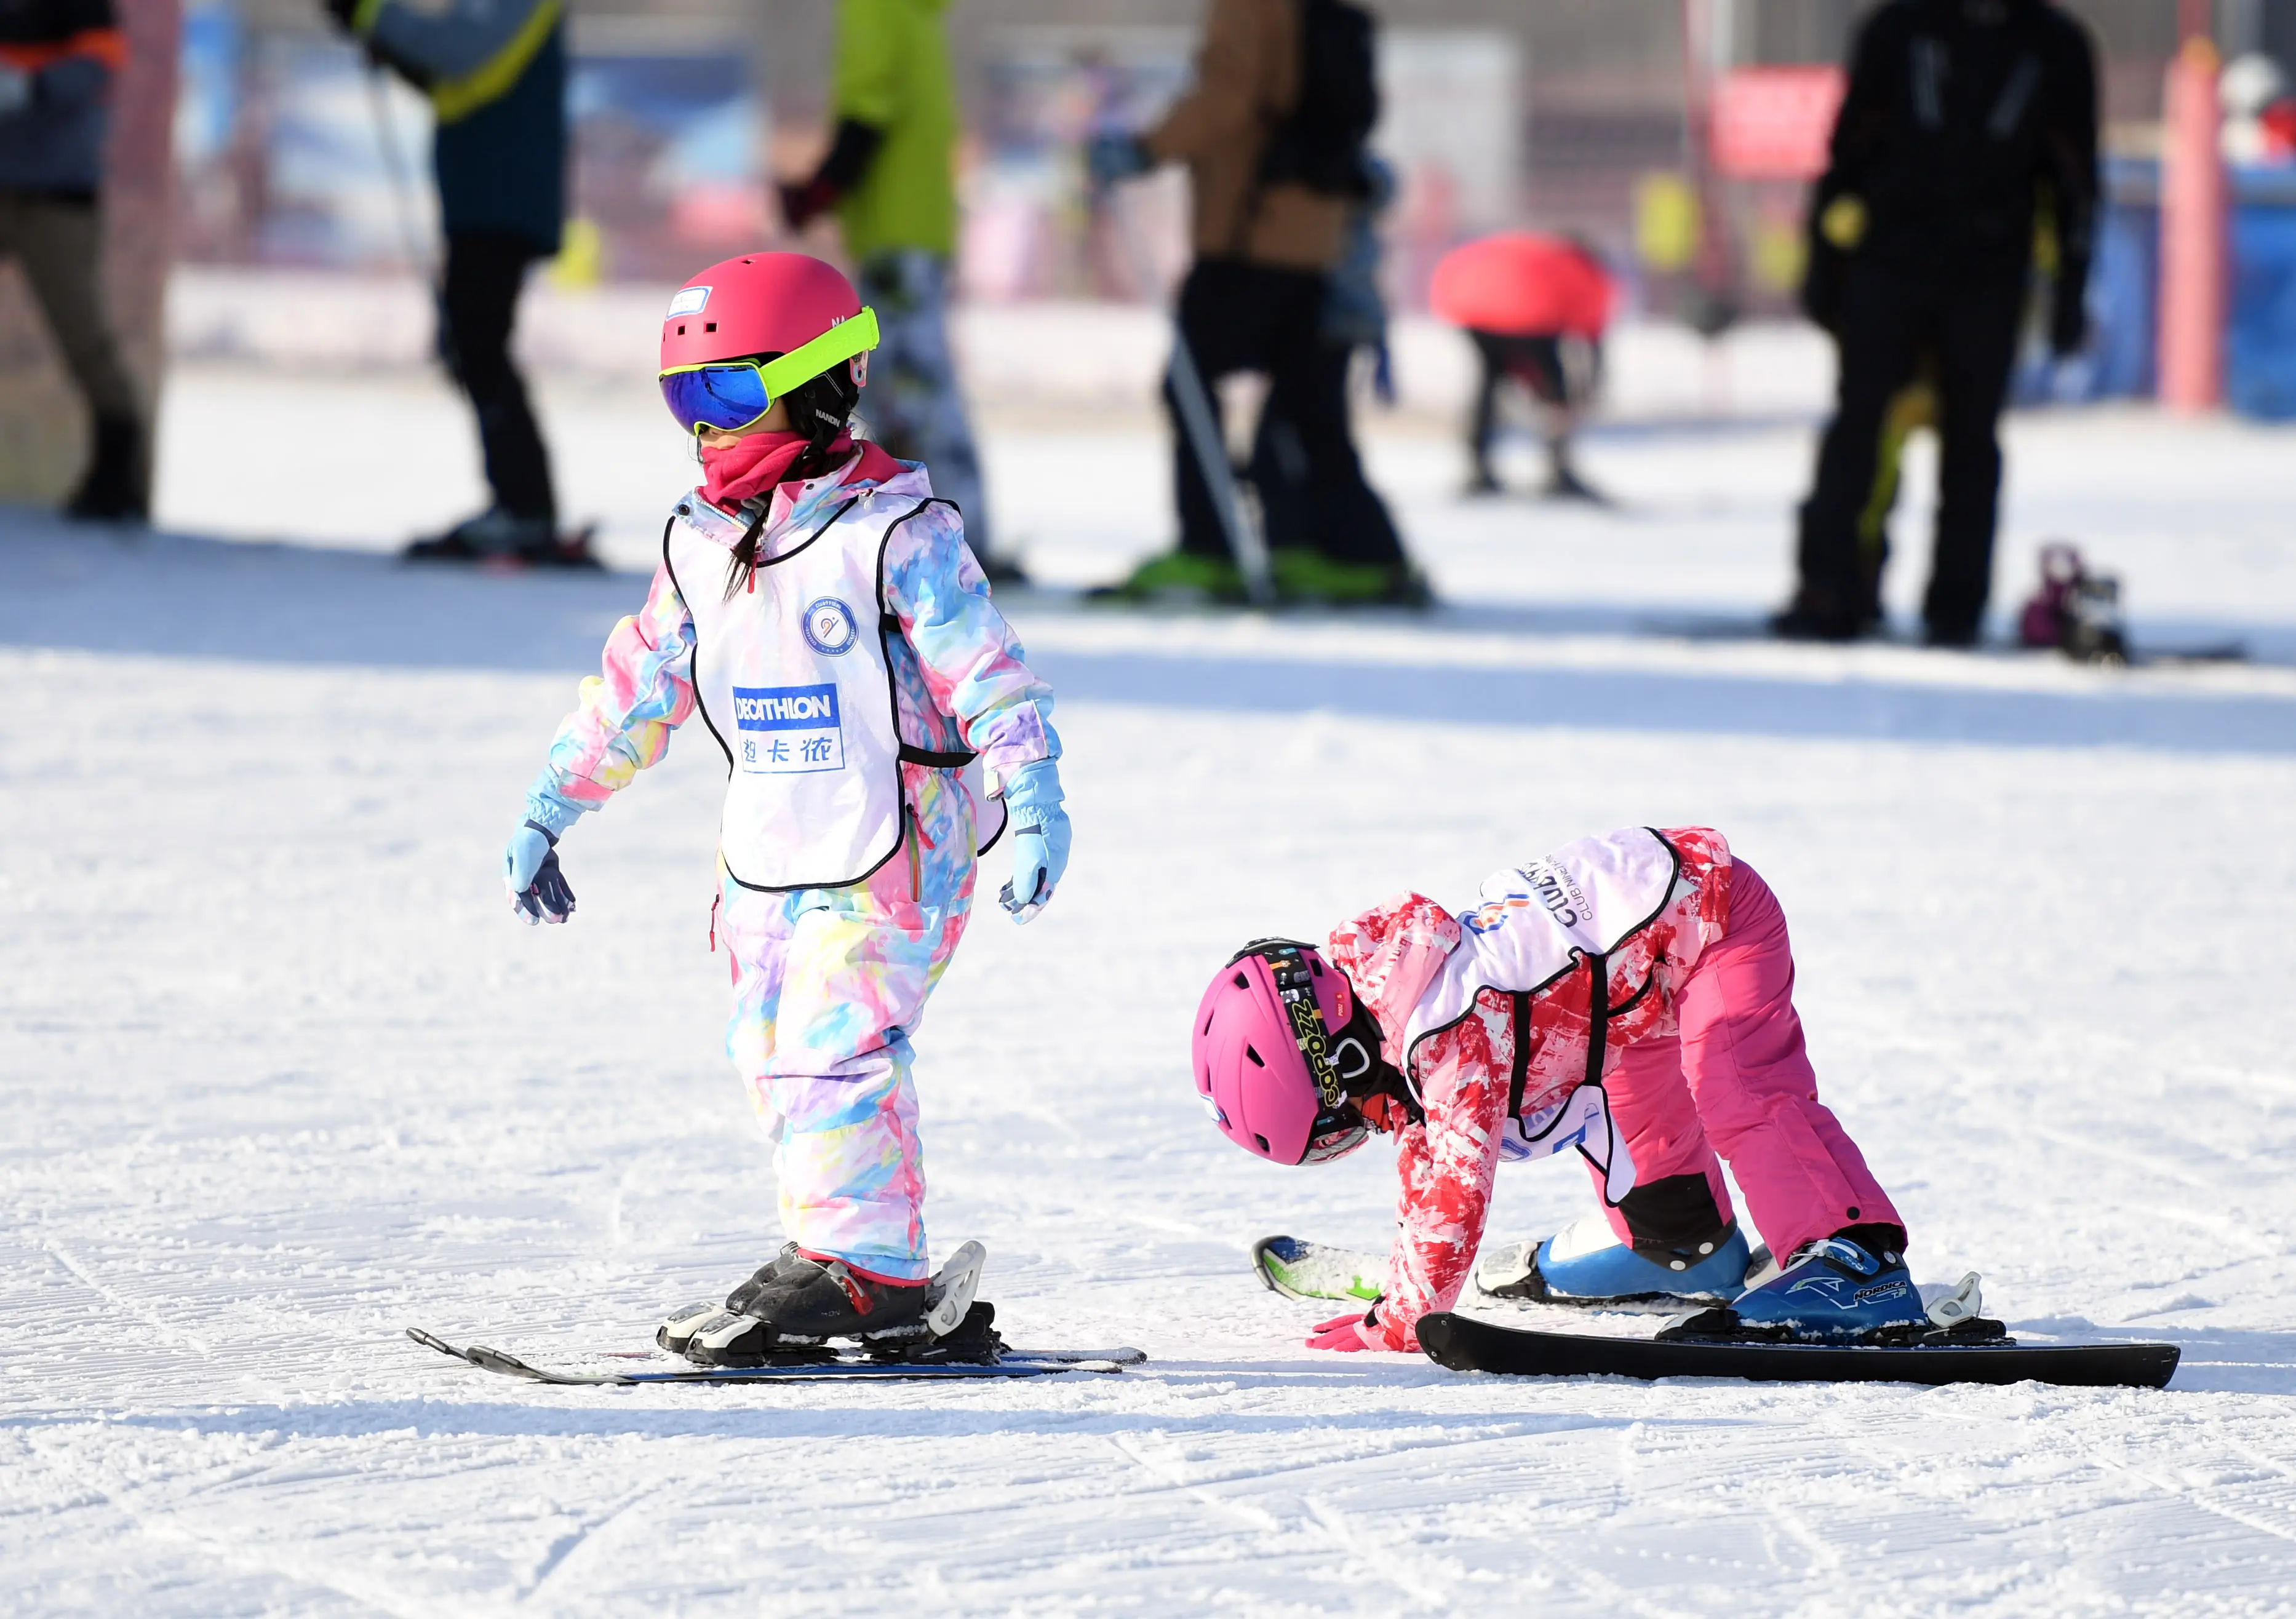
point(1321, 145)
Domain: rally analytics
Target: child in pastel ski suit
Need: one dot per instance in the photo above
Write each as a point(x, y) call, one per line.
point(1489, 1019)
point(837, 637)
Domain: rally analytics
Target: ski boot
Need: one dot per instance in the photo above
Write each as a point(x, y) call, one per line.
point(116, 487)
point(1585, 1264)
point(1309, 578)
point(1830, 1291)
point(1814, 614)
point(501, 539)
point(679, 1326)
point(793, 1306)
point(1177, 578)
point(1564, 484)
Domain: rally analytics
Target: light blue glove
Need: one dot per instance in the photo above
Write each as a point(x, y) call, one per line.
point(537, 887)
point(1111, 157)
point(1039, 830)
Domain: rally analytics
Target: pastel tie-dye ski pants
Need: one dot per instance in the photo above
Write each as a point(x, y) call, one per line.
point(829, 987)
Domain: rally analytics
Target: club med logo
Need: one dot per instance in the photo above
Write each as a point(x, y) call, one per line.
point(1551, 889)
point(829, 627)
point(786, 707)
point(1564, 899)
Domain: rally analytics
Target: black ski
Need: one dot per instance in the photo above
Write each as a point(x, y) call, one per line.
point(655, 1366)
point(1465, 1344)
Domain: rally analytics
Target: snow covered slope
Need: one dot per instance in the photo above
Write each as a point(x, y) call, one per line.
point(279, 1076)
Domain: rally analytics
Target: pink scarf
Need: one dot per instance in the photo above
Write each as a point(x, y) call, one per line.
point(756, 463)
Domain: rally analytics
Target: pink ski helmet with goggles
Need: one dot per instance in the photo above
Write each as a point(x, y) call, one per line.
point(720, 324)
point(1273, 1054)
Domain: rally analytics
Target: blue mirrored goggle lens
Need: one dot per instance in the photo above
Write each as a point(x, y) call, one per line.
point(727, 396)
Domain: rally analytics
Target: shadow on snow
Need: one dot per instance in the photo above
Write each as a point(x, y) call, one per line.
point(172, 595)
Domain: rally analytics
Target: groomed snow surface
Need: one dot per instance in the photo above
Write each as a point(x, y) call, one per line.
point(281, 1076)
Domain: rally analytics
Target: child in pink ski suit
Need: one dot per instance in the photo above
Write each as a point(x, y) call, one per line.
point(855, 723)
point(1493, 1046)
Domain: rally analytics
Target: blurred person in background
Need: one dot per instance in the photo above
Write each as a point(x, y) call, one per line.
point(889, 174)
point(1272, 134)
point(1965, 122)
point(1355, 319)
point(1534, 307)
point(495, 71)
point(58, 60)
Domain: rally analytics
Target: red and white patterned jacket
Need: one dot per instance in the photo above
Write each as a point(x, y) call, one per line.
point(1453, 994)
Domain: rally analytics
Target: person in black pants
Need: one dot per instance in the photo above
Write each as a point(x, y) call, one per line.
point(1559, 386)
point(1314, 500)
point(478, 302)
point(1965, 121)
point(496, 73)
point(58, 62)
point(1273, 135)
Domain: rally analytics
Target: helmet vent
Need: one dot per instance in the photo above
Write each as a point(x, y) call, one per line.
point(1256, 1060)
point(712, 326)
point(681, 331)
point(1262, 1139)
point(1241, 982)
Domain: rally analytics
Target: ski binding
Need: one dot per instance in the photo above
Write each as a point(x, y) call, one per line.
point(975, 1349)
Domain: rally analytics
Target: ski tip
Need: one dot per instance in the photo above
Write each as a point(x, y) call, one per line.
point(508, 1365)
point(1269, 1256)
point(431, 1341)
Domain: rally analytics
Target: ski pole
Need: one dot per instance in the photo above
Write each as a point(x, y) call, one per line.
point(1244, 540)
point(386, 140)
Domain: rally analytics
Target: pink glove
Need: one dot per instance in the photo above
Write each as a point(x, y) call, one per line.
point(1342, 1333)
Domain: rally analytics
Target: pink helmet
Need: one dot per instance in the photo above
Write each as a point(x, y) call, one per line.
point(1268, 1060)
point(760, 303)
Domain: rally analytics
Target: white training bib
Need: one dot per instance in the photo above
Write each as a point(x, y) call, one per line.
point(1534, 924)
point(1581, 1119)
point(792, 678)
point(1535, 920)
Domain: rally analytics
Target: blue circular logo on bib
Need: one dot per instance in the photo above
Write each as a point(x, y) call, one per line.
point(829, 627)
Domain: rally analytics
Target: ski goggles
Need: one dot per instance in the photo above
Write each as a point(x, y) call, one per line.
point(732, 395)
point(1336, 1133)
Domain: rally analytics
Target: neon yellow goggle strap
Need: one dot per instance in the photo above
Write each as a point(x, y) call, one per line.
point(843, 342)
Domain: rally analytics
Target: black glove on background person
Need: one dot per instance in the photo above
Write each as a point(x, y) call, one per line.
point(847, 162)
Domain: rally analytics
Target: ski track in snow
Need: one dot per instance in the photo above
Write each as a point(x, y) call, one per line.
point(282, 1078)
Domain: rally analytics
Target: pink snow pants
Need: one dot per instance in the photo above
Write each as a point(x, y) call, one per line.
point(1737, 1080)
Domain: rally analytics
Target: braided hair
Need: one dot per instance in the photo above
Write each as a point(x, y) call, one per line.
point(820, 407)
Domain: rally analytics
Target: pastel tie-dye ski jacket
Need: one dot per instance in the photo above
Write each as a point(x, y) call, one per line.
point(1392, 954)
point(959, 674)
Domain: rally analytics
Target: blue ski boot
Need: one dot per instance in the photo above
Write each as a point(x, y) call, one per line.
point(1829, 1291)
point(1585, 1264)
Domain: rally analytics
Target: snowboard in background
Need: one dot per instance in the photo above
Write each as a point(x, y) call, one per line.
point(1465, 1344)
point(1298, 1269)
